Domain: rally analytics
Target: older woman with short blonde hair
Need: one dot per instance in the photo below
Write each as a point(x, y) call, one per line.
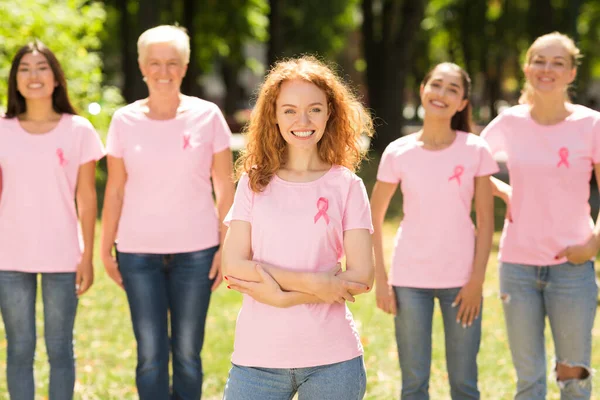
point(167, 153)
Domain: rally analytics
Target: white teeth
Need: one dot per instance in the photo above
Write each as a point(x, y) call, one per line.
point(438, 103)
point(546, 79)
point(35, 85)
point(302, 133)
point(164, 80)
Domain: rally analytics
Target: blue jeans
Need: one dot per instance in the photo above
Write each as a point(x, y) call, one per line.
point(159, 286)
point(17, 304)
point(345, 380)
point(413, 335)
point(566, 293)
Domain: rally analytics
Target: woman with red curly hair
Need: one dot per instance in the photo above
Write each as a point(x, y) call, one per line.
point(299, 208)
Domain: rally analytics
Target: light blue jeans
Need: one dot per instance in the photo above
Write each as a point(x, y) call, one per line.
point(413, 335)
point(17, 304)
point(340, 381)
point(566, 294)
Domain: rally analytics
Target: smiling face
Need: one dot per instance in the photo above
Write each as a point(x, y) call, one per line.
point(163, 68)
point(443, 95)
point(35, 79)
point(550, 68)
point(302, 113)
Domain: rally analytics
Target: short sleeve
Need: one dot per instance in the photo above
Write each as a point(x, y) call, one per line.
point(357, 212)
point(386, 172)
point(222, 133)
point(487, 164)
point(494, 133)
point(113, 141)
point(242, 202)
point(596, 140)
point(91, 148)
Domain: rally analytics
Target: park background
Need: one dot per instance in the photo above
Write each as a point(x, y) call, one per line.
point(382, 47)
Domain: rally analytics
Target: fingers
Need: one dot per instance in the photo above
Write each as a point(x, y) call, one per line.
point(509, 213)
point(348, 297)
point(562, 254)
point(214, 269)
point(84, 285)
point(356, 287)
point(217, 281)
point(78, 278)
point(393, 307)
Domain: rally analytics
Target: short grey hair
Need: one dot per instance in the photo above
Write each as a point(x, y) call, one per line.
point(175, 35)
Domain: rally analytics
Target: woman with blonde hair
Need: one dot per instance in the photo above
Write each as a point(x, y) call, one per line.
point(549, 240)
point(166, 155)
point(298, 209)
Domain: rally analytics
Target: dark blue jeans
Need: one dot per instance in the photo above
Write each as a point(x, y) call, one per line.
point(159, 286)
point(17, 304)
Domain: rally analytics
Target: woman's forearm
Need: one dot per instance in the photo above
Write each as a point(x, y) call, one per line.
point(111, 214)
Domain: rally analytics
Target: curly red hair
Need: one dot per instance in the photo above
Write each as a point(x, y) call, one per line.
point(265, 151)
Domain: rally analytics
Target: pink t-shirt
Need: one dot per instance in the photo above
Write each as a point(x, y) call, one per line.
point(550, 169)
point(168, 205)
point(299, 226)
point(435, 242)
point(39, 231)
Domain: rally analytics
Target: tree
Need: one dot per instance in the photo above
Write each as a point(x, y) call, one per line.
point(389, 29)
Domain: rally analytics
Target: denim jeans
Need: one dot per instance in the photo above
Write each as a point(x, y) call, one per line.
point(413, 322)
point(345, 380)
point(159, 286)
point(566, 293)
point(17, 304)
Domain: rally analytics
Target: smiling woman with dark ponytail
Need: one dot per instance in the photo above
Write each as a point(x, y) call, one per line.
point(441, 169)
point(47, 161)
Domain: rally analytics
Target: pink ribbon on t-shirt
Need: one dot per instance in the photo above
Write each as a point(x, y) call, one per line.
point(61, 157)
point(186, 140)
point(458, 171)
point(322, 206)
point(563, 153)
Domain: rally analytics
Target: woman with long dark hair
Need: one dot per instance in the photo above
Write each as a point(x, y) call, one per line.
point(47, 158)
point(441, 168)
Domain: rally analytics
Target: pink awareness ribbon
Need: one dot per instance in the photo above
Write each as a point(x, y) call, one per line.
point(61, 157)
point(186, 140)
point(458, 171)
point(563, 153)
point(322, 206)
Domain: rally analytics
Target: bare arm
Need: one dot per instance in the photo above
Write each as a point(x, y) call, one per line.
point(237, 263)
point(380, 201)
point(111, 213)
point(469, 297)
point(501, 189)
point(87, 209)
point(580, 253)
point(222, 179)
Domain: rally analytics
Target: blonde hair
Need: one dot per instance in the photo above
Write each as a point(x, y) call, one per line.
point(266, 150)
point(175, 35)
point(569, 45)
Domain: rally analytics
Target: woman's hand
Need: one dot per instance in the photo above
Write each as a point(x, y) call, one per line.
point(215, 271)
point(266, 291)
point(332, 289)
point(386, 298)
point(469, 300)
point(581, 253)
point(112, 269)
point(84, 277)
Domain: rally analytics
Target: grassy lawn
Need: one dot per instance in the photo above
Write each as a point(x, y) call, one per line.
point(105, 346)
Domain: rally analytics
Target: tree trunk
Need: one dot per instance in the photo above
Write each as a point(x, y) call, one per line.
point(128, 59)
point(190, 84)
point(275, 49)
point(388, 60)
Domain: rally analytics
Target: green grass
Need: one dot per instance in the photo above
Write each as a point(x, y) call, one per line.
point(105, 346)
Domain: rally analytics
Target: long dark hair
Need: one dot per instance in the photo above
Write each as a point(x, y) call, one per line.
point(462, 119)
point(60, 97)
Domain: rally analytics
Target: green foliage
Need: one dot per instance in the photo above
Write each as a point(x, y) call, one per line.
point(317, 26)
point(70, 28)
point(224, 25)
